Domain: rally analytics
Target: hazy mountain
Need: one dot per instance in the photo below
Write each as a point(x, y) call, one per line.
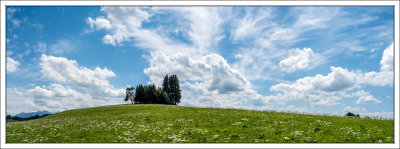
point(26, 115)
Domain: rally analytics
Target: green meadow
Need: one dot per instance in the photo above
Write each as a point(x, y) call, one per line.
point(129, 123)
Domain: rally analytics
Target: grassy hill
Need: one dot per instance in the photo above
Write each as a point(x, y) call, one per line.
point(167, 124)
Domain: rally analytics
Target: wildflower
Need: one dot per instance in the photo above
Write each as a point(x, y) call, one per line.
point(298, 133)
point(237, 123)
point(286, 138)
point(307, 139)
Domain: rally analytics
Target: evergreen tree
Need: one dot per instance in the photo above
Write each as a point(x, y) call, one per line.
point(162, 97)
point(139, 95)
point(166, 84)
point(175, 91)
point(350, 114)
point(152, 94)
point(146, 95)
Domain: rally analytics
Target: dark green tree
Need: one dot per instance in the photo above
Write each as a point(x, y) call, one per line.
point(165, 85)
point(175, 91)
point(130, 96)
point(350, 114)
point(162, 97)
point(149, 94)
point(152, 94)
point(139, 94)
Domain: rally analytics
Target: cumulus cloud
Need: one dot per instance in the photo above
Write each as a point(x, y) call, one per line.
point(12, 65)
point(326, 90)
point(99, 23)
point(385, 75)
point(387, 59)
point(366, 98)
point(211, 68)
point(54, 98)
point(338, 79)
point(297, 59)
point(121, 21)
point(18, 101)
point(72, 86)
point(94, 82)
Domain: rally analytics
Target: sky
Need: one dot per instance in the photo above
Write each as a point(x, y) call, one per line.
point(318, 60)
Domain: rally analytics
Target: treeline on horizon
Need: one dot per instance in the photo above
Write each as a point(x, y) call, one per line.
point(170, 92)
point(25, 119)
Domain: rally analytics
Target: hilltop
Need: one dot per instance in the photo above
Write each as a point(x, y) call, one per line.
point(169, 123)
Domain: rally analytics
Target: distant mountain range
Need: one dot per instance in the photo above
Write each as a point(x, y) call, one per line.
point(26, 115)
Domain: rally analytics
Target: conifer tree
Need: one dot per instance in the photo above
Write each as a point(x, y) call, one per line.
point(175, 91)
point(165, 84)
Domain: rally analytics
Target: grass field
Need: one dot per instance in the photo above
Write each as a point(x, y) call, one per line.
point(168, 124)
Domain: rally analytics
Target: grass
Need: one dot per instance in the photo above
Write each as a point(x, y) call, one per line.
point(171, 124)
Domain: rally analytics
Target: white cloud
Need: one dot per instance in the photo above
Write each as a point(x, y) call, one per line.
point(57, 97)
point(204, 25)
point(269, 37)
point(72, 86)
point(366, 98)
point(326, 90)
point(387, 59)
point(94, 81)
point(211, 69)
point(12, 65)
point(99, 22)
point(206, 81)
point(338, 79)
point(297, 59)
point(353, 109)
point(121, 21)
point(250, 25)
point(18, 102)
point(314, 17)
point(385, 75)
point(53, 98)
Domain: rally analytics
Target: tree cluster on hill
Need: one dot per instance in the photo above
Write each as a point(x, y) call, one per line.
point(349, 114)
point(150, 94)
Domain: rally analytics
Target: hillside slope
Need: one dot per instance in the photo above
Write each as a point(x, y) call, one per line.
point(166, 123)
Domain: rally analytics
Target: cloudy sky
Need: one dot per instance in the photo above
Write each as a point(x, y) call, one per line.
point(322, 60)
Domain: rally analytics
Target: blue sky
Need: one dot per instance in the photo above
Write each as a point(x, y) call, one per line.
point(321, 60)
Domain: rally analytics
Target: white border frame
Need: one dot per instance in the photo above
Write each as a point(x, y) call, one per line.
point(201, 3)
